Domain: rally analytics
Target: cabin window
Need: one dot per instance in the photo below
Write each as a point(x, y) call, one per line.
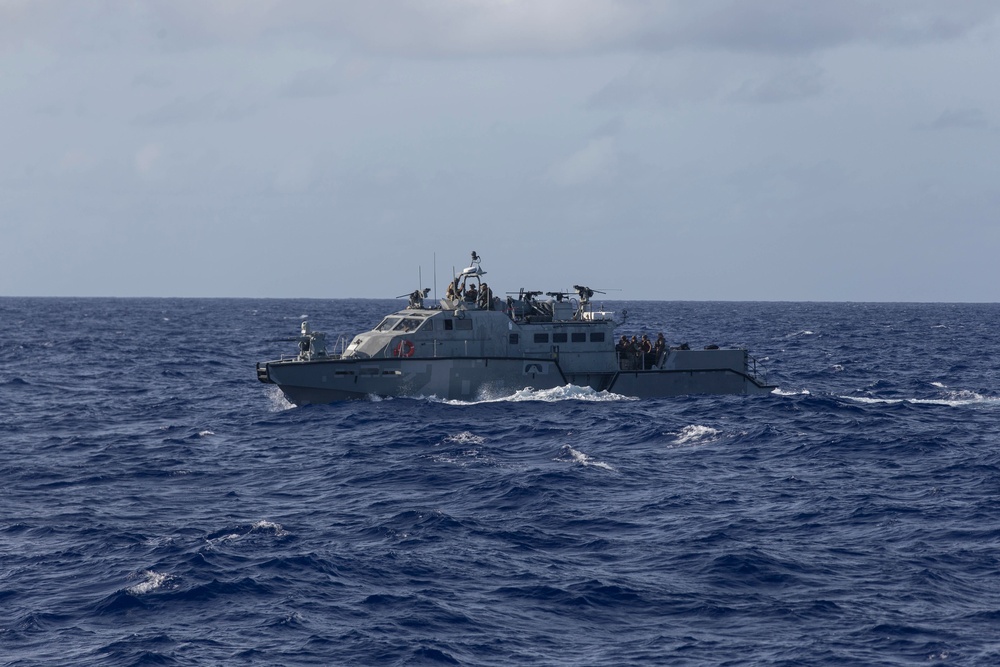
point(429, 325)
point(388, 323)
point(407, 324)
point(463, 325)
point(597, 337)
point(541, 338)
point(559, 338)
point(448, 325)
point(579, 337)
point(513, 339)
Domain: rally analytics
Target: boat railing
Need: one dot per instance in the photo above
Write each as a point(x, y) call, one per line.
point(758, 373)
point(342, 343)
point(469, 348)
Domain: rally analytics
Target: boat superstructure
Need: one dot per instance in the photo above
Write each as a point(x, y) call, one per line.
point(473, 344)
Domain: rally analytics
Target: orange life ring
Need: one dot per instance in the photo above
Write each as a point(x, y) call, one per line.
point(404, 348)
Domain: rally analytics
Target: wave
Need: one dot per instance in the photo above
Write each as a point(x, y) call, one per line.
point(569, 392)
point(695, 433)
point(790, 392)
point(262, 527)
point(952, 399)
point(465, 438)
point(151, 581)
point(584, 460)
point(277, 400)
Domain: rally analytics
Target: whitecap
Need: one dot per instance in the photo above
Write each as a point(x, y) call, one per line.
point(205, 433)
point(584, 460)
point(939, 385)
point(790, 392)
point(695, 433)
point(265, 526)
point(277, 400)
point(465, 438)
point(567, 392)
point(261, 527)
point(953, 399)
point(151, 581)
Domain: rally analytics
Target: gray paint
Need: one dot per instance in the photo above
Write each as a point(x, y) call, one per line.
point(481, 361)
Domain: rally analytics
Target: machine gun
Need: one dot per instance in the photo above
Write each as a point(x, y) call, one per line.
point(416, 297)
point(585, 293)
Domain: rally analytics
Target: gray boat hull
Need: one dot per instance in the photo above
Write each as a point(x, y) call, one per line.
point(473, 346)
point(473, 378)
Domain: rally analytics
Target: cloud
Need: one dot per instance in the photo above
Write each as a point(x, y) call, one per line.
point(960, 118)
point(294, 176)
point(77, 161)
point(792, 83)
point(185, 110)
point(342, 77)
point(462, 28)
point(147, 157)
point(668, 81)
point(312, 83)
point(792, 26)
point(594, 162)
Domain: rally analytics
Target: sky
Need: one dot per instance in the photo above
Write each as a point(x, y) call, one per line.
point(774, 150)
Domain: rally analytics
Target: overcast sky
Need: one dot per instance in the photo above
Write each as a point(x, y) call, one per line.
point(695, 150)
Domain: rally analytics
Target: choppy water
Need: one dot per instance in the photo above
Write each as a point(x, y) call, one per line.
point(159, 506)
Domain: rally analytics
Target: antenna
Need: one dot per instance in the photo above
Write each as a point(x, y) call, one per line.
point(435, 277)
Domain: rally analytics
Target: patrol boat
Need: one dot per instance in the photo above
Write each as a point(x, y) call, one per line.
point(474, 345)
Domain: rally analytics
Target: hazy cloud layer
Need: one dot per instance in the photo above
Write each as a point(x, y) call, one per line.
point(435, 28)
point(720, 149)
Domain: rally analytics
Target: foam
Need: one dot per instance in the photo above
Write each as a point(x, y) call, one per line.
point(261, 527)
point(465, 438)
point(952, 399)
point(695, 433)
point(277, 400)
point(265, 526)
point(152, 581)
point(789, 392)
point(567, 392)
point(584, 460)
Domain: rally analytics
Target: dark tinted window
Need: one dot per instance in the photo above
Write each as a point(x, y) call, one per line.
point(447, 325)
point(513, 339)
point(542, 338)
point(463, 325)
point(597, 337)
point(559, 338)
point(579, 338)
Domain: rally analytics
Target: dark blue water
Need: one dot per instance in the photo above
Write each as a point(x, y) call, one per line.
point(159, 506)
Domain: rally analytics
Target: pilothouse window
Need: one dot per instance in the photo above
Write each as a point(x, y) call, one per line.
point(407, 324)
point(388, 323)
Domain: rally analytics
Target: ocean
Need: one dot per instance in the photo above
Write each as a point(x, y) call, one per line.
point(160, 506)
